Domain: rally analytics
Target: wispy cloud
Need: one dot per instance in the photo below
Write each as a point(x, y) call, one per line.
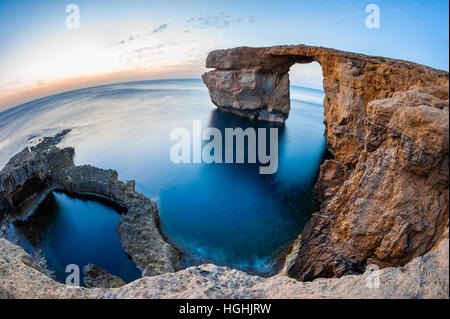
point(143, 53)
point(132, 38)
point(162, 27)
point(215, 21)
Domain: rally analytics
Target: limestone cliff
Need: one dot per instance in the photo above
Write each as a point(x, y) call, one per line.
point(385, 194)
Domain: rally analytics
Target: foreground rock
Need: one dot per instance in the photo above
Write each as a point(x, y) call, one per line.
point(44, 167)
point(424, 277)
point(96, 277)
point(385, 194)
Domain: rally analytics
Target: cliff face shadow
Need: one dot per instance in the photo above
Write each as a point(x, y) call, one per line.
point(35, 225)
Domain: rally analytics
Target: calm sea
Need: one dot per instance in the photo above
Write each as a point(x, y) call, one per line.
point(227, 214)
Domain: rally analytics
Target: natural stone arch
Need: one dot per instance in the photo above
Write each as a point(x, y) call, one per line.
point(254, 82)
point(385, 194)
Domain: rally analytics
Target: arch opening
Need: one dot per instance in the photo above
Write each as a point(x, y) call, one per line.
point(306, 92)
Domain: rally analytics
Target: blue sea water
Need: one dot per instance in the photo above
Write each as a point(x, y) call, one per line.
point(70, 230)
point(227, 214)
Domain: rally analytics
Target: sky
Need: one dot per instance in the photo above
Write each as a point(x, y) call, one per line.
point(120, 41)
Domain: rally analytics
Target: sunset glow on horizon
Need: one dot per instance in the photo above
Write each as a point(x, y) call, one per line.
point(142, 40)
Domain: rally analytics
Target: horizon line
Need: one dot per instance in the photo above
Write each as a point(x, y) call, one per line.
point(2, 111)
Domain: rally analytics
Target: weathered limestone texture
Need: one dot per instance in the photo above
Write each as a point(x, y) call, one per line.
point(423, 277)
point(385, 194)
point(96, 277)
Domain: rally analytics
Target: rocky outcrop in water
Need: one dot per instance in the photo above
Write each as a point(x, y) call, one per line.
point(250, 93)
point(139, 240)
point(386, 192)
point(45, 167)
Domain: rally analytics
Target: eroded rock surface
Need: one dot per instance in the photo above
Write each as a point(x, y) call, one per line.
point(46, 167)
point(138, 239)
point(423, 277)
point(394, 204)
point(250, 93)
point(386, 192)
point(96, 277)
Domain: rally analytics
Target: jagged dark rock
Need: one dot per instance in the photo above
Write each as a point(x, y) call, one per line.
point(47, 167)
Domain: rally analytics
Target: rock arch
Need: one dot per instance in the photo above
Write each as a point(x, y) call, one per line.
point(254, 82)
point(385, 195)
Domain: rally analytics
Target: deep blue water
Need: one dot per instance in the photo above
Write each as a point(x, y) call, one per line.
point(73, 230)
point(227, 214)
